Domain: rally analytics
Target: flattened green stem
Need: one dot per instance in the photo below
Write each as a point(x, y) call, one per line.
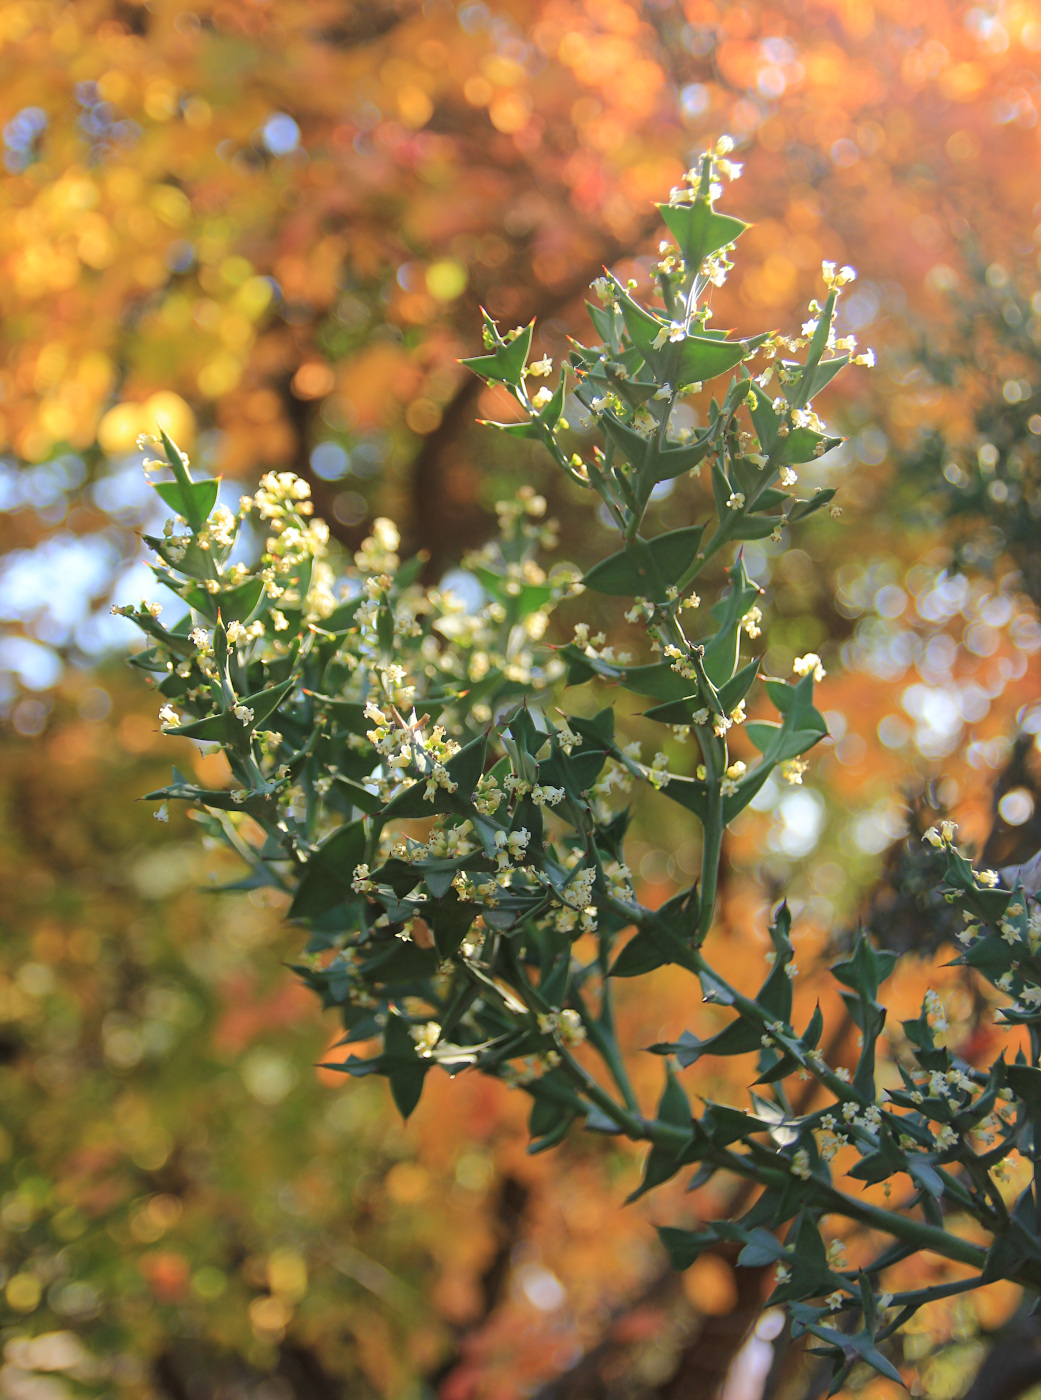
point(903, 1227)
point(601, 1028)
point(916, 1233)
point(601, 1037)
point(631, 1123)
point(711, 853)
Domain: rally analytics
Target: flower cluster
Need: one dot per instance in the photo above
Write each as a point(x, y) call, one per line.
point(455, 843)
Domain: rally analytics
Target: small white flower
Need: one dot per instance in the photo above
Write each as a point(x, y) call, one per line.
point(810, 664)
point(546, 796)
point(426, 1037)
point(801, 1164)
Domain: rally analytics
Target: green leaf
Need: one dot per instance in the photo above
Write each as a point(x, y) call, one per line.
point(526, 429)
point(722, 651)
point(239, 604)
point(663, 1162)
point(701, 358)
point(673, 461)
point(762, 1248)
point(506, 363)
point(647, 568)
point(801, 509)
point(684, 1246)
point(450, 919)
point(1025, 1082)
point(733, 691)
point(628, 573)
point(799, 394)
point(925, 1176)
point(326, 881)
point(643, 455)
point(193, 563)
point(549, 414)
point(825, 373)
point(739, 1038)
point(193, 501)
point(699, 230)
point(690, 793)
point(865, 969)
point(658, 681)
point(721, 489)
point(399, 1062)
point(665, 936)
point(514, 356)
point(640, 324)
point(605, 323)
point(725, 1125)
point(765, 421)
point(754, 527)
point(811, 1035)
point(644, 952)
point(673, 1106)
point(406, 1081)
point(463, 770)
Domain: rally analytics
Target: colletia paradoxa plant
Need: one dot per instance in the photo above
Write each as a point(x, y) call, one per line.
point(454, 841)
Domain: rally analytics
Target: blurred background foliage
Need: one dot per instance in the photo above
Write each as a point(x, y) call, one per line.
point(269, 226)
